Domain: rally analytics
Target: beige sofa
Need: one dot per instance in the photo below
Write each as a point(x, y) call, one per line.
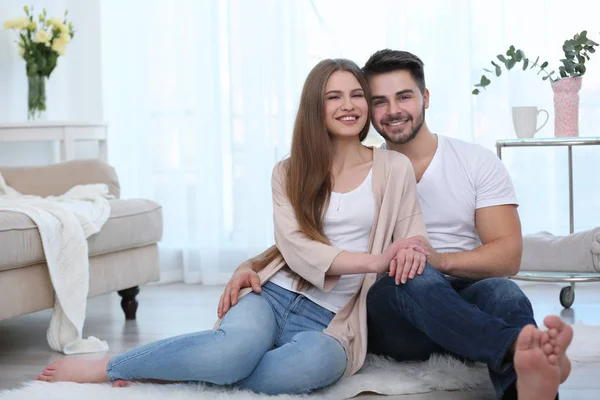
point(123, 255)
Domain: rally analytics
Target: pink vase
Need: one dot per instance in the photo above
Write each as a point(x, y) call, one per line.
point(566, 106)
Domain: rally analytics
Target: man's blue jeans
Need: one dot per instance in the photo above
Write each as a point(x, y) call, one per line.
point(269, 343)
point(476, 320)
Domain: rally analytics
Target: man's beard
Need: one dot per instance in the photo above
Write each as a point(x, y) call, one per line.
point(413, 134)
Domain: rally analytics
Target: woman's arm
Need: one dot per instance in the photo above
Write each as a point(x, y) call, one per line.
point(308, 258)
point(318, 263)
point(347, 263)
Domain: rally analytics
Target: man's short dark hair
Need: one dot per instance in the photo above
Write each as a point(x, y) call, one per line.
point(393, 60)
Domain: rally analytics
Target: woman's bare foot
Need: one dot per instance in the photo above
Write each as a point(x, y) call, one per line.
point(538, 373)
point(560, 335)
point(76, 370)
point(121, 383)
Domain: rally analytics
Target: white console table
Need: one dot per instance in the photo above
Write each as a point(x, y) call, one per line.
point(66, 133)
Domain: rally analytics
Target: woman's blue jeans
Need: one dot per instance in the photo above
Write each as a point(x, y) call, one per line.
point(269, 343)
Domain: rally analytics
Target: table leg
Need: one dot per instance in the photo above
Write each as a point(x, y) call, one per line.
point(103, 150)
point(67, 146)
point(571, 217)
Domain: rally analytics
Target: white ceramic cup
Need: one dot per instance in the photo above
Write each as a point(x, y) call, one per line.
point(525, 121)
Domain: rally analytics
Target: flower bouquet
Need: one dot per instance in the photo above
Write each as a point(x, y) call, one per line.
point(41, 40)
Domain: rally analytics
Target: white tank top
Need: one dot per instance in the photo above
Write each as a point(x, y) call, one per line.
point(347, 224)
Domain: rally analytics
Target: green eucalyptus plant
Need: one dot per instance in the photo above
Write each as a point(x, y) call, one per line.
point(576, 50)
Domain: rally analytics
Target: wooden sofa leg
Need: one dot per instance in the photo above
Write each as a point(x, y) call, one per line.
point(128, 302)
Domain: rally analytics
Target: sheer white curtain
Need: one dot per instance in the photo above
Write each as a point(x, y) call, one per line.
point(201, 96)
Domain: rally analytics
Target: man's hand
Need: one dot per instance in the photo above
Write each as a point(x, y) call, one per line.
point(242, 278)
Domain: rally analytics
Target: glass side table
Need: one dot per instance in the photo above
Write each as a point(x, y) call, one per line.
point(567, 293)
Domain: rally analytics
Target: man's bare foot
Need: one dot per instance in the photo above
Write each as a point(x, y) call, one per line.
point(538, 373)
point(545, 344)
point(560, 335)
point(76, 370)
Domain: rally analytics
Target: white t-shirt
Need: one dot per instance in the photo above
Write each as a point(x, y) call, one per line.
point(461, 178)
point(347, 224)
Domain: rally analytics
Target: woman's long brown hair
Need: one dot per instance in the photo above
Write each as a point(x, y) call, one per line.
point(308, 169)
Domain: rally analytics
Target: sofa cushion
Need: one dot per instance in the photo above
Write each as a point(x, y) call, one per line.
point(56, 179)
point(132, 223)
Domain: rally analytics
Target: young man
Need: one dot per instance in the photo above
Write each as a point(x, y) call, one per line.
point(462, 304)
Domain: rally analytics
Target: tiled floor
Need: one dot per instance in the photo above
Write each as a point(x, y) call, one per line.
point(167, 310)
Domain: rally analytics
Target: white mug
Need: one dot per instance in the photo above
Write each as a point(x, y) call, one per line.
point(525, 121)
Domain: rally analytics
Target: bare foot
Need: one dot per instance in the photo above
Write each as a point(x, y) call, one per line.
point(538, 374)
point(121, 383)
point(76, 370)
point(560, 335)
point(545, 342)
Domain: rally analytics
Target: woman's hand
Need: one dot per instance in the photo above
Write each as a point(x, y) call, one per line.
point(242, 278)
point(407, 264)
point(383, 262)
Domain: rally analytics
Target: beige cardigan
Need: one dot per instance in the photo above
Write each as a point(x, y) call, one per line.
point(397, 215)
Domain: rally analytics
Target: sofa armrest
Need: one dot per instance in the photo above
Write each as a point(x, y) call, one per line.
point(56, 179)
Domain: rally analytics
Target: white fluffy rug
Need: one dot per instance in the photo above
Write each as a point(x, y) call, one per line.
point(378, 375)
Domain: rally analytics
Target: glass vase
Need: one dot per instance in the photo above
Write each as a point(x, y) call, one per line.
point(36, 98)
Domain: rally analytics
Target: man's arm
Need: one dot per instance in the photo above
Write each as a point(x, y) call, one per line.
point(496, 221)
point(499, 229)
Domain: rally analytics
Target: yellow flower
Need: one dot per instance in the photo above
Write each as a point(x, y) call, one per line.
point(60, 43)
point(41, 37)
point(64, 37)
point(59, 46)
point(21, 23)
point(9, 24)
point(32, 26)
point(57, 22)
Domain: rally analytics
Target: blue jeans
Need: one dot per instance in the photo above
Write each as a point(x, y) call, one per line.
point(269, 343)
point(473, 320)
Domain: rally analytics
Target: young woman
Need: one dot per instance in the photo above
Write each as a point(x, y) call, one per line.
point(341, 213)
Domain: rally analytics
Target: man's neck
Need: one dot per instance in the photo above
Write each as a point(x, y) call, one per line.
point(422, 147)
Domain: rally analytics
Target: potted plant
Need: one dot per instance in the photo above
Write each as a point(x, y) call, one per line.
point(41, 41)
point(565, 84)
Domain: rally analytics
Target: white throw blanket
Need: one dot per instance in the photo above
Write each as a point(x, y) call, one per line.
point(579, 252)
point(65, 222)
